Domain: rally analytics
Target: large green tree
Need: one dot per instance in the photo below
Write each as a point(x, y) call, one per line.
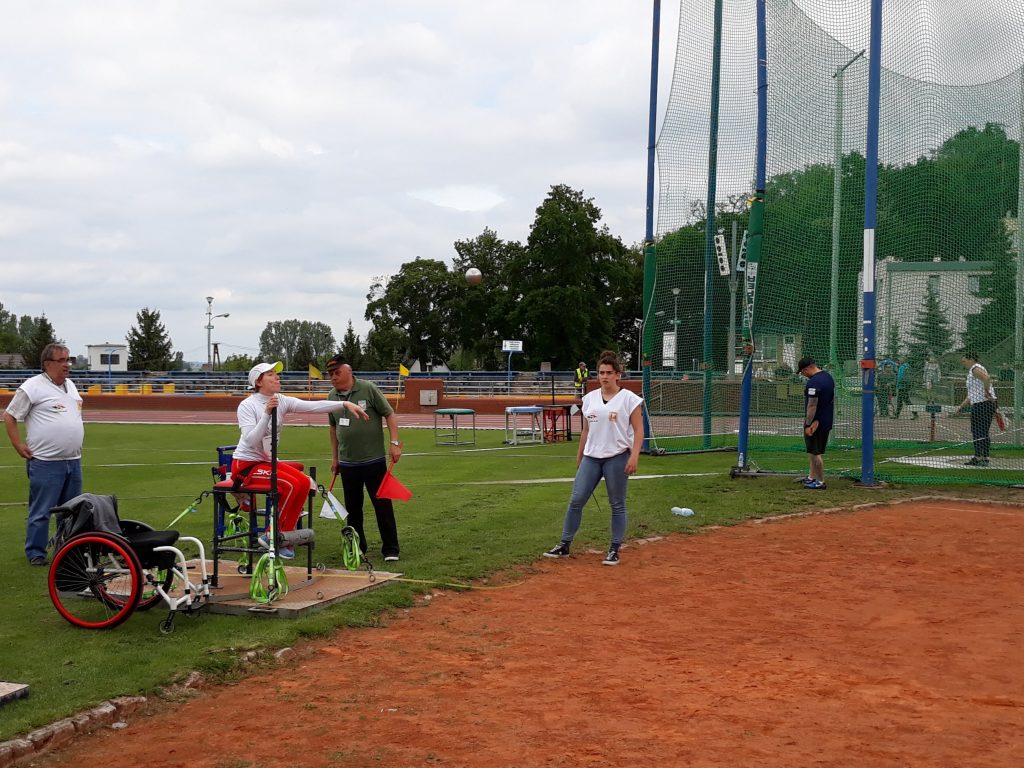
point(420, 301)
point(149, 346)
point(10, 341)
point(41, 335)
point(481, 312)
point(560, 283)
point(238, 362)
point(572, 290)
point(352, 348)
point(296, 343)
point(930, 334)
point(386, 347)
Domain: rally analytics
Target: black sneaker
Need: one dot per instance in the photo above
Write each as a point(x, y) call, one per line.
point(974, 461)
point(39, 561)
point(612, 558)
point(559, 550)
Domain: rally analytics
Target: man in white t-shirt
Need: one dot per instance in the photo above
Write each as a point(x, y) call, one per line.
point(51, 408)
point(981, 399)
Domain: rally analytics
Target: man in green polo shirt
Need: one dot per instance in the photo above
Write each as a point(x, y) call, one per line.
point(359, 454)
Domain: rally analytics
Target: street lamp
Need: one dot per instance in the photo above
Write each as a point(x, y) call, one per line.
point(675, 328)
point(210, 317)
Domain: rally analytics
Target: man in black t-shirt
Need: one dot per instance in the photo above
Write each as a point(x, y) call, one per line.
point(819, 402)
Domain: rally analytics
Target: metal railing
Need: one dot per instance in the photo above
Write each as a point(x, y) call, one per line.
point(539, 385)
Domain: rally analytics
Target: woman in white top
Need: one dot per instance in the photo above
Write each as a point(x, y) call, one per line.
point(609, 447)
point(251, 458)
point(981, 397)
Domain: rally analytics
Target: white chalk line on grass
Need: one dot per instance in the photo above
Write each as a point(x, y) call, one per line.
point(542, 480)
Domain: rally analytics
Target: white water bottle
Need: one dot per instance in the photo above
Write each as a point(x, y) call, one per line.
point(682, 511)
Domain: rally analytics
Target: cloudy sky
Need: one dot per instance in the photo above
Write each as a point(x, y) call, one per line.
point(279, 155)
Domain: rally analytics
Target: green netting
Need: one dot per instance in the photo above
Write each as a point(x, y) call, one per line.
point(948, 237)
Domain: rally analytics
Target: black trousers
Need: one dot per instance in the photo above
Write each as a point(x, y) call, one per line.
point(902, 398)
point(369, 476)
point(981, 422)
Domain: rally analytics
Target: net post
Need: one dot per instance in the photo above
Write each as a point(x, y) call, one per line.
point(867, 476)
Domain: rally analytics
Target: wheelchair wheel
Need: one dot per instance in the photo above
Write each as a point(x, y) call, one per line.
point(162, 574)
point(95, 581)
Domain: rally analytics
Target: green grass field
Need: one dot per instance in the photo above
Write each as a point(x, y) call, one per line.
point(468, 520)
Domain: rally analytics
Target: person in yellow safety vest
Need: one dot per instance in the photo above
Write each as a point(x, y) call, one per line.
point(580, 380)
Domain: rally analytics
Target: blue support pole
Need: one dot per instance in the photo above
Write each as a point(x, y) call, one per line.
point(867, 363)
point(756, 229)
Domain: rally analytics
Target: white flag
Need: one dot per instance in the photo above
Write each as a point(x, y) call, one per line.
point(333, 509)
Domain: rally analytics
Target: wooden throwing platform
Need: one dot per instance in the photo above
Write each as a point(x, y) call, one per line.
point(326, 588)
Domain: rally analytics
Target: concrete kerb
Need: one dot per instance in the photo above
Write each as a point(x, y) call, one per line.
point(110, 714)
point(55, 735)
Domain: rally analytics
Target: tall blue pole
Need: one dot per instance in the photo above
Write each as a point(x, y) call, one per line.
point(650, 257)
point(867, 363)
point(756, 233)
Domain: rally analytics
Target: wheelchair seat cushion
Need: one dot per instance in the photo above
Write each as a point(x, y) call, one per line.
point(144, 542)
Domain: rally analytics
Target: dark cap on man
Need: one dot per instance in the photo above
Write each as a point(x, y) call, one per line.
point(804, 363)
point(336, 362)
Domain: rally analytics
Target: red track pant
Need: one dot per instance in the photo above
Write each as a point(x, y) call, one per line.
point(292, 487)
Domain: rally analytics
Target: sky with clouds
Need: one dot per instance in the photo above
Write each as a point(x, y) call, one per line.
point(279, 155)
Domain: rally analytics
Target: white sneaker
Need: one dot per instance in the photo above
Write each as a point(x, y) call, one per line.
point(391, 559)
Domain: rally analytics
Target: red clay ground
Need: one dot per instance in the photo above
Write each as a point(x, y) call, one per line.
point(890, 636)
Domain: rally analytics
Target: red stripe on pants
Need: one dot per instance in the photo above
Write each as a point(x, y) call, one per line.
point(292, 487)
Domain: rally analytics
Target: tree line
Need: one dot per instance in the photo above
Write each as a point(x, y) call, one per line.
point(951, 204)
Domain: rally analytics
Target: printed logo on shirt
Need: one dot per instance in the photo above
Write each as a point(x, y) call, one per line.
point(362, 404)
point(591, 417)
point(59, 407)
point(812, 391)
point(613, 416)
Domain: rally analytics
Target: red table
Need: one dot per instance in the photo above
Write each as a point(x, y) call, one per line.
point(557, 421)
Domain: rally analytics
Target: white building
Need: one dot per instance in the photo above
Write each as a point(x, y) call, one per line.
point(107, 357)
point(900, 291)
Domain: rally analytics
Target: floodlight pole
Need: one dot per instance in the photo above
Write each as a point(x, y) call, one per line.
point(209, 329)
point(837, 190)
point(210, 317)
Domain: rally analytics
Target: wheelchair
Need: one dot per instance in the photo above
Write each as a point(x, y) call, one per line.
point(105, 568)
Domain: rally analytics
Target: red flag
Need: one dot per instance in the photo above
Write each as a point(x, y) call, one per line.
point(390, 488)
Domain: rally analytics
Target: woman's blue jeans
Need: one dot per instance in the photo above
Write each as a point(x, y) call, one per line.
point(589, 474)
